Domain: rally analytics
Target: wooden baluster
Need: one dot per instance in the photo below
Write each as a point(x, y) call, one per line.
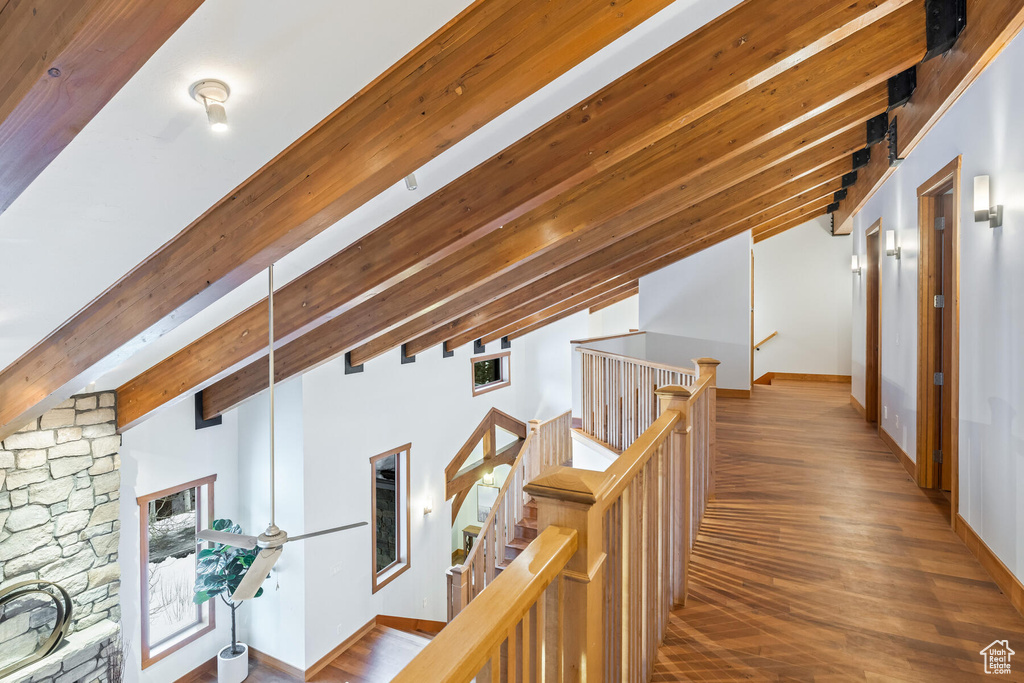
point(567, 497)
point(458, 591)
point(708, 367)
point(678, 398)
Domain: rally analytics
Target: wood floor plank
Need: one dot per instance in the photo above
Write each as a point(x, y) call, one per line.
point(820, 560)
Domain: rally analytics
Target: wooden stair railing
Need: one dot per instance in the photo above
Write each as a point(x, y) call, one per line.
point(589, 598)
point(618, 400)
point(511, 524)
point(460, 480)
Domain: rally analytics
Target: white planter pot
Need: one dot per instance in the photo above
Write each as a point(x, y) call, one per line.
point(232, 669)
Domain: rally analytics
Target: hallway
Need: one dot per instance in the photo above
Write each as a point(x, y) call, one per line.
point(820, 560)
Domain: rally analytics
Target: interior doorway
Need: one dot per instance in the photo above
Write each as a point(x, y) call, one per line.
point(873, 367)
point(938, 331)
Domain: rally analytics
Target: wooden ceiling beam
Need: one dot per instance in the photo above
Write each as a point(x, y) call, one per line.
point(991, 25)
point(61, 63)
point(571, 307)
point(792, 155)
point(486, 322)
point(858, 69)
point(779, 228)
point(493, 55)
point(612, 299)
point(733, 55)
point(628, 260)
point(851, 68)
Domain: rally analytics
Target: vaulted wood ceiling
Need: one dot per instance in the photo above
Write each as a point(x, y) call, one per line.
point(749, 123)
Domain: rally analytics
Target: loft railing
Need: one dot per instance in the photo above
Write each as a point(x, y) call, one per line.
point(589, 598)
point(548, 444)
point(618, 401)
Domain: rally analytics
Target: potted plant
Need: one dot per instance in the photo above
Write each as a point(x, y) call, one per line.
point(219, 570)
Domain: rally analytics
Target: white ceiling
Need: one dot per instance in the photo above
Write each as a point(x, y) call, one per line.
point(148, 164)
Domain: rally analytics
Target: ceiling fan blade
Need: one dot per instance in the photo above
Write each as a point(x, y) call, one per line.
point(326, 531)
point(257, 574)
point(234, 540)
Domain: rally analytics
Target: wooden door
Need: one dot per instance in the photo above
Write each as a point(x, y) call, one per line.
point(872, 375)
point(944, 259)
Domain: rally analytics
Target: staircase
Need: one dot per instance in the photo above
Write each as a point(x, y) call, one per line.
point(526, 531)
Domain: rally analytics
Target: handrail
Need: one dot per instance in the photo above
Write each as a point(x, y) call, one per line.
point(472, 641)
point(614, 336)
point(767, 339)
point(625, 468)
point(637, 361)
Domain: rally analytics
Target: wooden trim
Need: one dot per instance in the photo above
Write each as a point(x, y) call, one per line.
point(900, 454)
point(857, 406)
point(410, 624)
point(340, 649)
point(275, 663)
point(1000, 573)
point(767, 378)
point(597, 339)
point(506, 372)
point(211, 606)
point(767, 339)
point(404, 532)
point(207, 667)
point(732, 393)
point(949, 177)
point(640, 361)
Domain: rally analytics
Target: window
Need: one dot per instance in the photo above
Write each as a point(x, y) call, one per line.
point(169, 521)
point(390, 502)
point(491, 372)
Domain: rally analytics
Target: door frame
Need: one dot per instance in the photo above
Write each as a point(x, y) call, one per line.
point(928, 194)
point(873, 312)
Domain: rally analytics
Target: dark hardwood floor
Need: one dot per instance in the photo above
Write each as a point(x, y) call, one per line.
point(376, 658)
point(821, 560)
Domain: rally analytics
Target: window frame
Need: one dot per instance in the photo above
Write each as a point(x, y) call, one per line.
point(403, 482)
point(505, 358)
point(188, 635)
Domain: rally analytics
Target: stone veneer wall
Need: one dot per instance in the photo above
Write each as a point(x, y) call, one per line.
point(59, 489)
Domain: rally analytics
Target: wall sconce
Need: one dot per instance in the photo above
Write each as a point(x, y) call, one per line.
point(890, 244)
point(984, 210)
point(410, 182)
point(428, 506)
point(855, 264)
point(489, 479)
point(212, 94)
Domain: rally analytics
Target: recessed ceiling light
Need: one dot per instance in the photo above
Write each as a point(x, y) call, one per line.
point(212, 94)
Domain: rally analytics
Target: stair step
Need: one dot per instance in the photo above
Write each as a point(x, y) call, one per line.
point(514, 548)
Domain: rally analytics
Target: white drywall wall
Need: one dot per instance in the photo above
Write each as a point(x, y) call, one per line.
point(164, 451)
point(984, 127)
point(619, 318)
point(706, 298)
point(803, 291)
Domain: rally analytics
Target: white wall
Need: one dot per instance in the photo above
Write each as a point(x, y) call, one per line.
point(164, 451)
point(275, 622)
point(706, 297)
point(803, 290)
point(349, 418)
point(984, 126)
point(619, 318)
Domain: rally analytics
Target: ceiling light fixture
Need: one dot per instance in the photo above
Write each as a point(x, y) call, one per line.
point(212, 94)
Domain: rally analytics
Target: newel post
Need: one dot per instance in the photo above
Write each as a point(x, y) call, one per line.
point(574, 649)
point(709, 367)
point(680, 488)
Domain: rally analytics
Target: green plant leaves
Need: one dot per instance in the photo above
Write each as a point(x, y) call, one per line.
point(220, 568)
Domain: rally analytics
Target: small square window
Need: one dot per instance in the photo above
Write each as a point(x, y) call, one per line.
point(491, 372)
